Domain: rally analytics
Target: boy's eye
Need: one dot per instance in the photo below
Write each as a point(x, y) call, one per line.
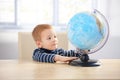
point(49, 38)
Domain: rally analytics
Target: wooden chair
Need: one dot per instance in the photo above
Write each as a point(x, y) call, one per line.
point(26, 44)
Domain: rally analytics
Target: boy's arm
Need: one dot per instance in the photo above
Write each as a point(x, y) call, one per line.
point(43, 57)
point(82, 54)
point(64, 58)
point(51, 58)
point(68, 53)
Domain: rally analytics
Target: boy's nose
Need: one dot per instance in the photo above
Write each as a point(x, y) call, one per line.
point(54, 39)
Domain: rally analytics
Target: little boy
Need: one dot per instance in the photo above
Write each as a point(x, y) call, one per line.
point(47, 51)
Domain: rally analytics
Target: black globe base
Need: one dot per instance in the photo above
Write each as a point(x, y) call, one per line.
point(89, 63)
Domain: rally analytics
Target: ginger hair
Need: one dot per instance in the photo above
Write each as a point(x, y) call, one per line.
point(36, 33)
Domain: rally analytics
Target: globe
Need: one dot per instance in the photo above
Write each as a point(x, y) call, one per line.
point(88, 30)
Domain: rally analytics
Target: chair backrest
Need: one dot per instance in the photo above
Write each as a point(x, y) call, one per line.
point(26, 44)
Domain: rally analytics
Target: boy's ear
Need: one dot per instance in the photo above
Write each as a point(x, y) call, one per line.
point(38, 43)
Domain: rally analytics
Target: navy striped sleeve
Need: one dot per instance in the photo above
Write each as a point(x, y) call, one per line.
point(43, 57)
point(69, 53)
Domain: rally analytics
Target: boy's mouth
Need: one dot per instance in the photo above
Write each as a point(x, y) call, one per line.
point(54, 44)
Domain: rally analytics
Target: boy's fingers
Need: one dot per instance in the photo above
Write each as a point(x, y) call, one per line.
point(71, 58)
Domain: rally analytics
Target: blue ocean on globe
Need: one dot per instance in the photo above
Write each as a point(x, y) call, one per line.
point(84, 32)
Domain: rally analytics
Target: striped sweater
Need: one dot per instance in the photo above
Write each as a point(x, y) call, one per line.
point(44, 55)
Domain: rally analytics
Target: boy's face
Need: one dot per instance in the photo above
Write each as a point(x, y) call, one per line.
point(48, 39)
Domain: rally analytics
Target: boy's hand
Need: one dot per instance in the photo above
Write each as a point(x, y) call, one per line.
point(64, 59)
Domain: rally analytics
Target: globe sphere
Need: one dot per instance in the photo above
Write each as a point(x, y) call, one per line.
point(88, 30)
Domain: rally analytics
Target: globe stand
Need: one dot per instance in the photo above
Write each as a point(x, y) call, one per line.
point(90, 63)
